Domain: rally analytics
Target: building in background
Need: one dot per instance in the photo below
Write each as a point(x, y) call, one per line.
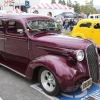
point(10, 5)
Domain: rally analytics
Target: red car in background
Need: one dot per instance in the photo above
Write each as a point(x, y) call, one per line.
point(33, 46)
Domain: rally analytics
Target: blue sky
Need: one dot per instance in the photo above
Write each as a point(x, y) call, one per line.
point(82, 2)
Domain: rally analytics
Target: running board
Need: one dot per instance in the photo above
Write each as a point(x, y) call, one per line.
point(12, 69)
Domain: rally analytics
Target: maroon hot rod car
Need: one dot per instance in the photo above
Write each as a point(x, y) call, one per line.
point(33, 46)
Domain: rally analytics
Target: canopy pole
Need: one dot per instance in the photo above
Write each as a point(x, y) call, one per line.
point(19, 7)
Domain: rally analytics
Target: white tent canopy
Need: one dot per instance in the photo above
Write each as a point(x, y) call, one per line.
point(56, 9)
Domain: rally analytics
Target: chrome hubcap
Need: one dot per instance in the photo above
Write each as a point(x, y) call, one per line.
point(48, 81)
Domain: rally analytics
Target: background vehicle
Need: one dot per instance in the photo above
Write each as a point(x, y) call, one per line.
point(94, 16)
point(33, 46)
point(88, 28)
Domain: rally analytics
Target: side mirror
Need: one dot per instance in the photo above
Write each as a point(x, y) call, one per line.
point(20, 31)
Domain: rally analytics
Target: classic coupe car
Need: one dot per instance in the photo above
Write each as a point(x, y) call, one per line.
point(34, 47)
point(88, 28)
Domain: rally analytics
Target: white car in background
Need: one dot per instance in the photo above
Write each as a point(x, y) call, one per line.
point(94, 16)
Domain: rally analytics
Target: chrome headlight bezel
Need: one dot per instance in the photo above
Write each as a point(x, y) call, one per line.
point(80, 55)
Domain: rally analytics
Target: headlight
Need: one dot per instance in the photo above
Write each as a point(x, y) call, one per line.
point(80, 55)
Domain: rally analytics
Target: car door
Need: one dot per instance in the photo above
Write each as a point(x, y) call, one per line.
point(96, 33)
point(2, 39)
point(16, 46)
point(85, 29)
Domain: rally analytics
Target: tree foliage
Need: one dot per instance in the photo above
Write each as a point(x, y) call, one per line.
point(62, 2)
point(88, 8)
point(53, 1)
point(76, 7)
point(69, 3)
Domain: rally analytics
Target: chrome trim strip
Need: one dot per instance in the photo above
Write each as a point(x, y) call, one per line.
point(12, 70)
point(87, 59)
point(50, 49)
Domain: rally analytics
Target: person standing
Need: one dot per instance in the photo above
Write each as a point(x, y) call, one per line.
point(36, 12)
point(66, 24)
point(60, 21)
point(49, 14)
point(71, 24)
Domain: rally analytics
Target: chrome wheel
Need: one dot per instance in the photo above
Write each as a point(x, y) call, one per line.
point(48, 81)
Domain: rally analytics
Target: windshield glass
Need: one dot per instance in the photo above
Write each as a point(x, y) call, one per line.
point(42, 24)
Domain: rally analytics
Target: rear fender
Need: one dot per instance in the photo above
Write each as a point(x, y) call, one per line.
point(78, 35)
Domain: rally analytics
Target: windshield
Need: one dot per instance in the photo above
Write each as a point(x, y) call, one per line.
point(42, 24)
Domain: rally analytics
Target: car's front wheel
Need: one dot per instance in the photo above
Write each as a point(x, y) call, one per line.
point(48, 82)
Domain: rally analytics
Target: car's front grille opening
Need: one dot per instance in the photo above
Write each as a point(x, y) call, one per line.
point(92, 62)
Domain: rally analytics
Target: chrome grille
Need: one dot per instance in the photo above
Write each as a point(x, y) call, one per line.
point(92, 62)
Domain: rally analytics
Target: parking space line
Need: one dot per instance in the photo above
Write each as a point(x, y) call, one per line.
point(66, 95)
point(93, 92)
point(81, 95)
point(1, 98)
point(41, 91)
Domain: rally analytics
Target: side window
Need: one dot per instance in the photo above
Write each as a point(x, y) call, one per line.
point(14, 27)
point(1, 26)
point(91, 17)
point(97, 26)
point(19, 28)
point(85, 25)
point(11, 27)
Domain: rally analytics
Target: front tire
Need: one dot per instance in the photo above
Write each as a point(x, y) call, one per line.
point(48, 82)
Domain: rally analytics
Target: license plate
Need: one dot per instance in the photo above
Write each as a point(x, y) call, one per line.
point(86, 84)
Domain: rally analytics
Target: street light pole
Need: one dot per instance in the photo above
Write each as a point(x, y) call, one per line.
point(19, 6)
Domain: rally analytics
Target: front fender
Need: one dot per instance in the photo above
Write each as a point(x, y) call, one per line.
point(58, 65)
point(78, 35)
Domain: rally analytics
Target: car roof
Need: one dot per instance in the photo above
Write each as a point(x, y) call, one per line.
point(89, 20)
point(23, 16)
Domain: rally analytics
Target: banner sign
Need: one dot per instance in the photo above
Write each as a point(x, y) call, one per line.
point(27, 4)
point(7, 2)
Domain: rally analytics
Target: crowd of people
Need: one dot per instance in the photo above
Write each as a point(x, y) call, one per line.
point(48, 14)
point(68, 22)
point(65, 23)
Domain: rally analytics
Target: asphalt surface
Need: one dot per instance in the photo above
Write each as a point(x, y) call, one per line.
point(16, 87)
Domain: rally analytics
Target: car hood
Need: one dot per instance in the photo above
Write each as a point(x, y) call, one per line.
point(64, 41)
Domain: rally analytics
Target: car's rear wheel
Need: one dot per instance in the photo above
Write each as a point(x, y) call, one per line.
point(48, 82)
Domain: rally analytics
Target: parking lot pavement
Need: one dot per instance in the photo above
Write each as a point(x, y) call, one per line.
point(15, 87)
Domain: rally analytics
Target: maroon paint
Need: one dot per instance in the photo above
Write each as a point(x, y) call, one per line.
point(53, 51)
